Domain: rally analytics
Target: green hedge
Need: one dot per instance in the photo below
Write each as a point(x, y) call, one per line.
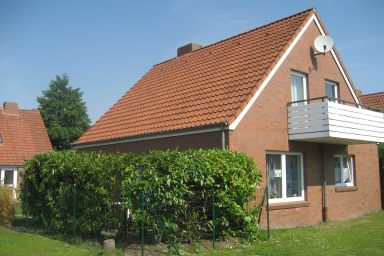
point(177, 188)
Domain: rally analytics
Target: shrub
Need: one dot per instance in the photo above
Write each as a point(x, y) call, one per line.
point(177, 188)
point(6, 205)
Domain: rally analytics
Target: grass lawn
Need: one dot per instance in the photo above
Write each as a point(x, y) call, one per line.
point(13, 243)
point(359, 236)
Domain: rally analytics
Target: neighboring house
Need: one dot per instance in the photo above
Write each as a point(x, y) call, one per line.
point(22, 136)
point(318, 156)
point(375, 100)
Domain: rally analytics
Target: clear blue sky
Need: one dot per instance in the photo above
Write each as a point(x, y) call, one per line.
point(106, 46)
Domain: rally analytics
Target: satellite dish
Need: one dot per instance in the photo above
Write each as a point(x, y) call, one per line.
point(323, 44)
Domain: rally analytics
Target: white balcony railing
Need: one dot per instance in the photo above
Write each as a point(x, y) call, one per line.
point(334, 121)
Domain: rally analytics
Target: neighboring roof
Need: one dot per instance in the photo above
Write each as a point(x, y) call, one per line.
point(23, 136)
point(207, 87)
point(375, 100)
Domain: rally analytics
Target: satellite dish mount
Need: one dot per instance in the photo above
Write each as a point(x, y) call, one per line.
point(323, 44)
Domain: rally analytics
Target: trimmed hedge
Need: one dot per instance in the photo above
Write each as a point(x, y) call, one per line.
point(177, 188)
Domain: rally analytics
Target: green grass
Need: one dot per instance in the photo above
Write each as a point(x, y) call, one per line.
point(358, 236)
point(16, 243)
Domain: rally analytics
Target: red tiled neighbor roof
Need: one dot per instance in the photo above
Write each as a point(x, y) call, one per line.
point(375, 100)
point(23, 135)
point(209, 86)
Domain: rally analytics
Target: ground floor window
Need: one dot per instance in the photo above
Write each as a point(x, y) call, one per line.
point(285, 177)
point(344, 170)
point(8, 176)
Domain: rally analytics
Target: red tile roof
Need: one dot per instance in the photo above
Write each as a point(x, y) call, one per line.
point(23, 136)
point(209, 86)
point(375, 100)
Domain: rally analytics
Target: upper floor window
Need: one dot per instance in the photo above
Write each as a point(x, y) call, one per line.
point(344, 170)
point(331, 90)
point(298, 87)
point(285, 177)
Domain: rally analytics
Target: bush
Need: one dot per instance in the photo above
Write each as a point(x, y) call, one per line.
point(177, 188)
point(6, 206)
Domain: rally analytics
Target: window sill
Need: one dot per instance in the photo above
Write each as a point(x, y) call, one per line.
point(346, 189)
point(288, 205)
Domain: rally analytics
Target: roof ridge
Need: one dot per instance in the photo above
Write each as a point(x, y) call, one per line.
point(237, 35)
point(370, 94)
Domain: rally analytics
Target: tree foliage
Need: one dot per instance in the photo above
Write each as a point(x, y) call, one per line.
point(177, 187)
point(64, 112)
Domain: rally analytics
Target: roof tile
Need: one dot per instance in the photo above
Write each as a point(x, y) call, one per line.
point(23, 135)
point(375, 100)
point(206, 87)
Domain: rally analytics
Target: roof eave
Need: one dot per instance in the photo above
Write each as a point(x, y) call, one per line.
point(221, 126)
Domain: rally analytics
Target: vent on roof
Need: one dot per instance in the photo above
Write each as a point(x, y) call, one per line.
point(188, 48)
point(1, 139)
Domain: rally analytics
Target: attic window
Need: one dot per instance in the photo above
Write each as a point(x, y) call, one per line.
point(1, 139)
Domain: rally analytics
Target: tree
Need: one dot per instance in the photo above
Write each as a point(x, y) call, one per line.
point(64, 112)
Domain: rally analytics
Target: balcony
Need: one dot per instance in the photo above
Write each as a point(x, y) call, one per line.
point(327, 120)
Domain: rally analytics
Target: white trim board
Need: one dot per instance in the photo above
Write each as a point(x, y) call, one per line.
point(151, 137)
point(317, 22)
point(238, 119)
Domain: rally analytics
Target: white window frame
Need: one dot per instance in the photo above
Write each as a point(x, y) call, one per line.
point(335, 87)
point(304, 76)
point(348, 184)
point(2, 174)
point(284, 197)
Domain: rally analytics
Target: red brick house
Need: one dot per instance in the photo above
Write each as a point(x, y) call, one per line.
point(318, 155)
point(376, 100)
point(22, 136)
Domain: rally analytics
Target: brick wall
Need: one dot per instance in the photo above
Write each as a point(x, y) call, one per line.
point(201, 140)
point(264, 128)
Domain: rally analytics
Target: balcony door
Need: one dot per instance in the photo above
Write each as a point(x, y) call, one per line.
point(298, 88)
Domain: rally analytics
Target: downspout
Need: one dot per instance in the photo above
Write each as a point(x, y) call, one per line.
point(223, 136)
point(324, 188)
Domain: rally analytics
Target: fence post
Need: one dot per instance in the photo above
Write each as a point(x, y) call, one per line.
point(213, 218)
point(74, 199)
point(268, 212)
point(142, 223)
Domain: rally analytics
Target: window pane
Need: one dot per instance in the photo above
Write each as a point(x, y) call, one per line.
point(346, 171)
point(274, 175)
point(343, 169)
point(337, 170)
point(8, 177)
point(293, 175)
point(330, 90)
point(297, 87)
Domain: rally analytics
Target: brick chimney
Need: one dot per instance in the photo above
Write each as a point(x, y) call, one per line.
point(11, 108)
point(188, 48)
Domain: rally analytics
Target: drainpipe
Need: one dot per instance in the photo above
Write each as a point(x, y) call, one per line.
point(223, 139)
point(324, 188)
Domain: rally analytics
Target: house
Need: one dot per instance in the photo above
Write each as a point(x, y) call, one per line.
point(22, 136)
point(375, 100)
point(266, 93)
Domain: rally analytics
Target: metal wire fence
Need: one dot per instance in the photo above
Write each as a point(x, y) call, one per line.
point(142, 224)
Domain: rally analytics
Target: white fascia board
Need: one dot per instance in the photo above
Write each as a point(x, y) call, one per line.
point(151, 137)
point(271, 74)
point(338, 63)
point(280, 62)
